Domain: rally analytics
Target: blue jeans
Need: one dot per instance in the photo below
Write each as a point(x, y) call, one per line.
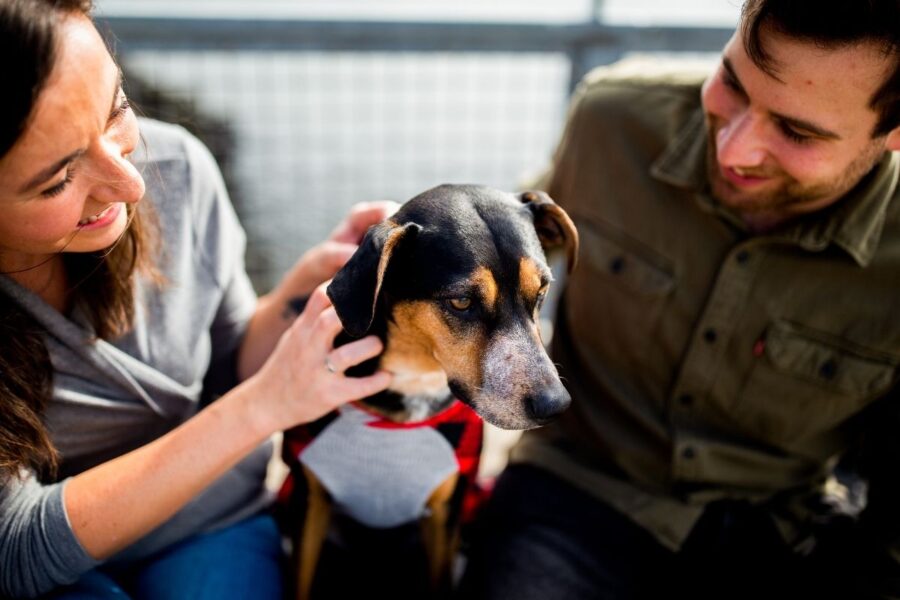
point(241, 561)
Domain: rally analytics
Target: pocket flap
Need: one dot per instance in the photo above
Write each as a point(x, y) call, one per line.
point(828, 360)
point(632, 266)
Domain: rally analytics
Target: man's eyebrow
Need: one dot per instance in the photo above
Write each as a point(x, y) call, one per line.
point(794, 122)
point(47, 173)
point(807, 126)
point(726, 63)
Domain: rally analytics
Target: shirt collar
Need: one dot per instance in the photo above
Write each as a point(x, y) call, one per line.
point(854, 223)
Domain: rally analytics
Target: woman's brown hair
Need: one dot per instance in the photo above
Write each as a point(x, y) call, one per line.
point(103, 280)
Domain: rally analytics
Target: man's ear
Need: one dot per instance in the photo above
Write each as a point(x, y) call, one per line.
point(355, 288)
point(553, 225)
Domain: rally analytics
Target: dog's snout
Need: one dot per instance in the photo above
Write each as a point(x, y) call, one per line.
point(548, 403)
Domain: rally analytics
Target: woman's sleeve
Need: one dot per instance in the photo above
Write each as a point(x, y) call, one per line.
point(38, 550)
point(221, 243)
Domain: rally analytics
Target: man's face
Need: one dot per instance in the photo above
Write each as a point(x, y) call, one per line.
point(795, 142)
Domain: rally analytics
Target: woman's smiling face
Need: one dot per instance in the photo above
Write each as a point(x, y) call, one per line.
point(65, 183)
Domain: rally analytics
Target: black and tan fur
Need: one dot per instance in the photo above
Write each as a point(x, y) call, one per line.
point(452, 284)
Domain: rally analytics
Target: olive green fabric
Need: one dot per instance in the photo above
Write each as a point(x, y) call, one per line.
point(705, 362)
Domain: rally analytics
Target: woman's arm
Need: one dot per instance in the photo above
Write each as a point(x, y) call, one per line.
point(116, 503)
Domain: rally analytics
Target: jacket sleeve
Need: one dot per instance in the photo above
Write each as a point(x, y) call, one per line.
point(38, 550)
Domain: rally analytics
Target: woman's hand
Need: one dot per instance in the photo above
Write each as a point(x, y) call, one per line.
point(362, 216)
point(323, 260)
point(304, 379)
point(275, 313)
point(117, 502)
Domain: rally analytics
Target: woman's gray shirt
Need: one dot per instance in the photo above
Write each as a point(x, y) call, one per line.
point(112, 397)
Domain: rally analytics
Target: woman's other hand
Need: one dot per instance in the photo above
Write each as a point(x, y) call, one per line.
point(362, 216)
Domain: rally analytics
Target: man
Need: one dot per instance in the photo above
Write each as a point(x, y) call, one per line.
point(731, 331)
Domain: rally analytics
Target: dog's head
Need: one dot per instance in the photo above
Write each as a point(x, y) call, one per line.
point(454, 282)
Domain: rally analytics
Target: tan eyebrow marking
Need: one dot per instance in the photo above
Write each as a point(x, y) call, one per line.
point(530, 280)
point(487, 285)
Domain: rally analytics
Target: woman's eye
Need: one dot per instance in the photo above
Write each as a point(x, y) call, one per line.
point(461, 304)
point(60, 187)
point(119, 110)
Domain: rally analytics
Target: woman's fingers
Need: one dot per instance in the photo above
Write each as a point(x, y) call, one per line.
point(318, 301)
point(335, 255)
point(325, 329)
point(355, 388)
point(348, 355)
point(360, 218)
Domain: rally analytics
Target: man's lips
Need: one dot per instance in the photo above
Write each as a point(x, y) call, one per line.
point(742, 178)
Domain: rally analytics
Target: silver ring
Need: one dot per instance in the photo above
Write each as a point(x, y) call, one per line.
point(330, 365)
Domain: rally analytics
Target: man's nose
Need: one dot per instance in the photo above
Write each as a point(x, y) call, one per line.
point(740, 141)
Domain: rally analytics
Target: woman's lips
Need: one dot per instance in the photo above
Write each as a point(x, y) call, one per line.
point(101, 219)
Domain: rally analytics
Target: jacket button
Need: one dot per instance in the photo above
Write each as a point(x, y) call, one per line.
point(710, 335)
point(688, 452)
point(685, 400)
point(828, 369)
point(742, 257)
point(617, 264)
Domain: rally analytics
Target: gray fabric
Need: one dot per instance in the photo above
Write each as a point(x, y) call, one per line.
point(382, 477)
point(112, 397)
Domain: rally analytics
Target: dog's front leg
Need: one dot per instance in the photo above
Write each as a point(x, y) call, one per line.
point(438, 541)
point(315, 528)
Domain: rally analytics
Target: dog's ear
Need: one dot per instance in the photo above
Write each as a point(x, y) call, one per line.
point(355, 288)
point(553, 225)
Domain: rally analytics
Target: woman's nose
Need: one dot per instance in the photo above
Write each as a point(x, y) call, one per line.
point(115, 178)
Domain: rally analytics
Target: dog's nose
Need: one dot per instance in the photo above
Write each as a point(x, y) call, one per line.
point(547, 403)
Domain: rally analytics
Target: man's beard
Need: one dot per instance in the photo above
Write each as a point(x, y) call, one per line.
point(789, 196)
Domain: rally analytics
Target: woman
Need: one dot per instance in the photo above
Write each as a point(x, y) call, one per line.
point(111, 475)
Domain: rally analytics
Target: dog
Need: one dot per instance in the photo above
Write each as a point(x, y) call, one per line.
point(452, 284)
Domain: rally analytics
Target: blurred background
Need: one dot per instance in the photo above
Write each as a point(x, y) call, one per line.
point(313, 105)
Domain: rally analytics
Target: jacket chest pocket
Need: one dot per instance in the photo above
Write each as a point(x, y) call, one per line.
point(808, 382)
point(617, 294)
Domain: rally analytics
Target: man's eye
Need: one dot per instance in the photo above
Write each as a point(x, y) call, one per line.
point(461, 304)
point(793, 135)
point(731, 83)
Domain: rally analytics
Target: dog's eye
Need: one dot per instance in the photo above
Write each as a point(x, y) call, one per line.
point(539, 301)
point(463, 303)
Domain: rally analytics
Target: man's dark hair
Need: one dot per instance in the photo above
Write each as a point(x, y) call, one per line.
point(832, 24)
